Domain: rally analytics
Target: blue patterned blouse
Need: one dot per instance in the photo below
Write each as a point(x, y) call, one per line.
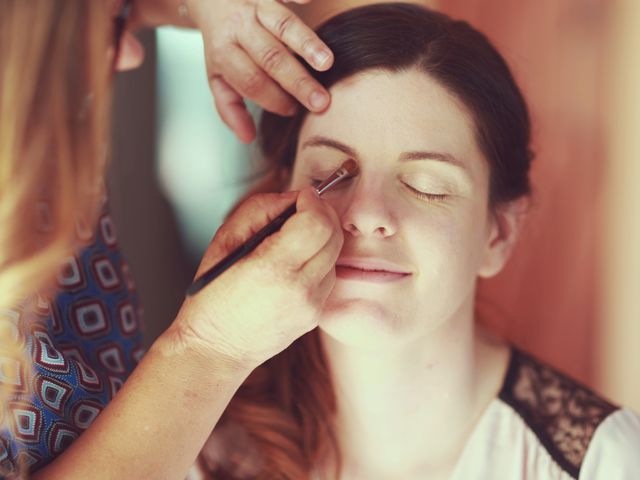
point(83, 347)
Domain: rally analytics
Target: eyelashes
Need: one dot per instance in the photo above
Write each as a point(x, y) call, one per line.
point(429, 197)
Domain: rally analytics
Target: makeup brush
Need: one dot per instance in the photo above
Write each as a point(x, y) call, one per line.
point(347, 170)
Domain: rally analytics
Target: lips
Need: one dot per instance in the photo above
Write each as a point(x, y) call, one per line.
point(370, 270)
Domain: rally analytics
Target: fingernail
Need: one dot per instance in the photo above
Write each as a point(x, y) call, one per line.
point(320, 57)
point(318, 99)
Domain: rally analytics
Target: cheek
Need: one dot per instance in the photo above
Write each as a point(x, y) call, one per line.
point(447, 244)
point(338, 200)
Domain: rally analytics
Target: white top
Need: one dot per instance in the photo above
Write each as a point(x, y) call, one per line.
point(503, 446)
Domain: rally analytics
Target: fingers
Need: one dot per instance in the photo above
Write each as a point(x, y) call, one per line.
point(324, 288)
point(279, 64)
point(303, 235)
point(308, 242)
point(284, 28)
point(253, 214)
point(284, 25)
point(232, 110)
point(249, 49)
point(324, 261)
point(249, 80)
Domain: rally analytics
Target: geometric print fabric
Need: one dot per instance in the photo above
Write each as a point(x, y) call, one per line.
point(83, 345)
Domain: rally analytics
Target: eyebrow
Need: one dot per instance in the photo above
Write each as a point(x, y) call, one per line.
point(321, 141)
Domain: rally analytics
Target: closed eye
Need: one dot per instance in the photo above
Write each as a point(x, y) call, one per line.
point(429, 197)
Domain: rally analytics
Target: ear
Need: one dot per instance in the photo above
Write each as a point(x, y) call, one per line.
point(506, 223)
point(131, 53)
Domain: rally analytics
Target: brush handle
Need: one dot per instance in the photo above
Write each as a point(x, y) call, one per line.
point(240, 252)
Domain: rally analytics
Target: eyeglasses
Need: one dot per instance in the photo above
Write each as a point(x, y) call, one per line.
point(119, 24)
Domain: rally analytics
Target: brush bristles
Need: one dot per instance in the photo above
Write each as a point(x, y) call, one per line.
point(351, 167)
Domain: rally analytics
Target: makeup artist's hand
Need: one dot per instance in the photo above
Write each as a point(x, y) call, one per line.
point(248, 46)
point(263, 303)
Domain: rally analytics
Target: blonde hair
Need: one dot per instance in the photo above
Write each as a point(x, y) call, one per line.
point(53, 123)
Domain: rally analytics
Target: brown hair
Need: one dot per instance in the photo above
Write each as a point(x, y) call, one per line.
point(53, 131)
point(287, 403)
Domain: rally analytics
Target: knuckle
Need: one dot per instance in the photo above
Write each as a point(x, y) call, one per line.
point(251, 207)
point(271, 58)
point(262, 201)
point(284, 24)
point(222, 232)
point(224, 239)
point(302, 84)
point(257, 199)
point(245, 206)
point(253, 83)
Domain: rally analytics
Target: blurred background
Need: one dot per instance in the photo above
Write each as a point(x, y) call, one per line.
point(571, 293)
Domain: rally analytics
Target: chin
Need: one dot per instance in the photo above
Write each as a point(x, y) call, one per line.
point(360, 323)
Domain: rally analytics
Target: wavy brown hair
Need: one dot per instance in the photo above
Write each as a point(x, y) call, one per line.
point(286, 405)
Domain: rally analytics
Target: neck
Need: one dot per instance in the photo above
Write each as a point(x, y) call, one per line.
point(410, 408)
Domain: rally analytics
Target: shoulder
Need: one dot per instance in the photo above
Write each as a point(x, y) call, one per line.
point(563, 414)
point(614, 452)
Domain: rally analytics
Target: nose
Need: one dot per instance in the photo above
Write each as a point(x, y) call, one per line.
point(368, 212)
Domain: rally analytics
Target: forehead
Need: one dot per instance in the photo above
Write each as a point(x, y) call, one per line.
point(385, 112)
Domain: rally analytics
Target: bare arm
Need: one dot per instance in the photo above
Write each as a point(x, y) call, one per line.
point(157, 423)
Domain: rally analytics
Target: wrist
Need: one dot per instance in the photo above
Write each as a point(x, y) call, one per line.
point(179, 341)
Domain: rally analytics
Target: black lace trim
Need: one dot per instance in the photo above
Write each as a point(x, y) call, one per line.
point(561, 412)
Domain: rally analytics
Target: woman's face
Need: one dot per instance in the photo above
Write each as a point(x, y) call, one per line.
point(416, 222)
